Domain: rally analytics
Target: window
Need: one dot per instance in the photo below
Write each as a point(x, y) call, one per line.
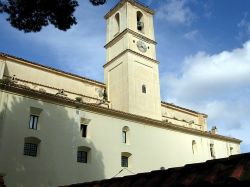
point(124, 161)
point(140, 23)
point(83, 154)
point(84, 122)
point(231, 150)
point(30, 149)
point(194, 147)
point(34, 117)
point(117, 23)
point(33, 122)
point(125, 134)
point(31, 146)
point(84, 130)
point(144, 89)
point(212, 152)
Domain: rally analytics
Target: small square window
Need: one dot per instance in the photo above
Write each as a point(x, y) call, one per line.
point(84, 130)
point(33, 122)
point(124, 161)
point(82, 156)
point(30, 149)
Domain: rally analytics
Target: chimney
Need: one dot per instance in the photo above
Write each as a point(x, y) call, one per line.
point(214, 130)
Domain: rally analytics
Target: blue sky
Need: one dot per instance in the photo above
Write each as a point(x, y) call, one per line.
point(203, 49)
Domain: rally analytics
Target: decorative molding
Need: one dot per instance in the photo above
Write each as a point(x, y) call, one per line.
point(125, 31)
point(49, 69)
point(129, 50)
point(34, 94)
point(85, 121)
point(84, 97)
point(181, 109)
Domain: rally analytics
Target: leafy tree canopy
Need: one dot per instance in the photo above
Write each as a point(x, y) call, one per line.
point(33, 15)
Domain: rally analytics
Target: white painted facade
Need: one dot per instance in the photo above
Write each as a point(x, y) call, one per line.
point(158, 134)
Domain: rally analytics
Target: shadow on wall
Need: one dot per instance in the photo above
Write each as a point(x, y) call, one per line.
point(59, 136)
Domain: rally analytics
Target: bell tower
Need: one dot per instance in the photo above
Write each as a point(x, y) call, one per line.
point(131, 70)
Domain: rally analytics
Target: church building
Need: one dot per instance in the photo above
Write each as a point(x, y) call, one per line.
point(58, 128)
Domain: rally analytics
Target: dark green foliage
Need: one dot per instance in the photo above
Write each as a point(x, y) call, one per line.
point(33, 15)
point(97, 2)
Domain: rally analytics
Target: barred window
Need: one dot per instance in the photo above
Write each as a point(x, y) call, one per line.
point(31, 145)
point(82, 156)
point(30, 149)
point(124, 161)
point(33, 122)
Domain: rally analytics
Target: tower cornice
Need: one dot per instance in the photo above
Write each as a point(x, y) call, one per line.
point(133, 2)
point(125, 31)
point(131, 51)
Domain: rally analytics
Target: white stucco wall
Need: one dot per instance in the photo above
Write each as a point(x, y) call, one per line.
point(2, 66)
point(59, 131)
point(184, 117)
point(45, 76)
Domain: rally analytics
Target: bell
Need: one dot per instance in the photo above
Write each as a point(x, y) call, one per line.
point(140, 25)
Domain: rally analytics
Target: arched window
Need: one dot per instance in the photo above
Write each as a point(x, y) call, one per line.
point(117, 23)
point(144, 89)
point(125, 135)
point(31, 146)
point(140, 21)
point(126, 159)
point(231, 150)
point(194, 147)
point(212, 150)
point(83, 154)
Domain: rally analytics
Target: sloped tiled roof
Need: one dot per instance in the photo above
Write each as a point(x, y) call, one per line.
point(51, 68)
point(232, 171)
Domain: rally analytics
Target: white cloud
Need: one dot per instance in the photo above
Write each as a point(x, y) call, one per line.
point(204, 75)
point(218, 85)
point(176, 11)
point(191, 35)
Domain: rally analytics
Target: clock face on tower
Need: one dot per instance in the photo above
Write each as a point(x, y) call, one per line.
point(141, 46)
